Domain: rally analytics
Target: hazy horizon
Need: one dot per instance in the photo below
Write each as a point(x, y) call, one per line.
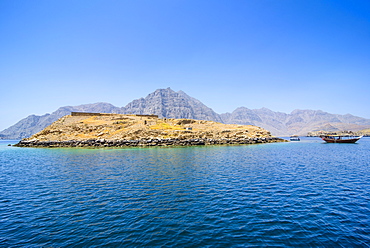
point(282, 55)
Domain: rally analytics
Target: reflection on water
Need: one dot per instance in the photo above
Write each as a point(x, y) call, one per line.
point(292, 194)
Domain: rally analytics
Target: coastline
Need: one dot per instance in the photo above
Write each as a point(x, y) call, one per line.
point(101, 143)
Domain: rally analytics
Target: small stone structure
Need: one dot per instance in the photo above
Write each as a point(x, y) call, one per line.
point(107, 114)
point(86, 114)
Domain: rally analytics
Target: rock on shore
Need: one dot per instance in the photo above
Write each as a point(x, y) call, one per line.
point(116, 130)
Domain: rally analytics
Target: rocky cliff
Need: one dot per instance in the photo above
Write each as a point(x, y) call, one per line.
point(171, 104)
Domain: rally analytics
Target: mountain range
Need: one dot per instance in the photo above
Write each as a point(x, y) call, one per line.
point(170, 104)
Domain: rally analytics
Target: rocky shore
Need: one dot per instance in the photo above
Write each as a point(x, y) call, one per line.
point(145, 143)
point(115, 130)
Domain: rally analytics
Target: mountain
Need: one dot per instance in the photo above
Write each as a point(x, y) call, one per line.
point(298, 122)
point(34, 123)
point(171, 104)
point(162, 102)
point(270, 120)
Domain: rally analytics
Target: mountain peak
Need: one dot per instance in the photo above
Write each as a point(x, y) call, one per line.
point(168, 89)
point(171, 104)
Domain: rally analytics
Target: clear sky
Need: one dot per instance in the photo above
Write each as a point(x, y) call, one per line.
point(282, 55)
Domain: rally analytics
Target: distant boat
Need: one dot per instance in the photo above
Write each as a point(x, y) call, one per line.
point(294, 138)
point(340, 138)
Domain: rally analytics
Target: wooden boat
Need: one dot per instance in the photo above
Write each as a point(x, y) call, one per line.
point(294, 138)
point(340, 139)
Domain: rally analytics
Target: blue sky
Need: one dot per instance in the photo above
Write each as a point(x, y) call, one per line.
point(282, 55)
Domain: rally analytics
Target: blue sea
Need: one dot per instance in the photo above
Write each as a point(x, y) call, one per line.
point(296, 194)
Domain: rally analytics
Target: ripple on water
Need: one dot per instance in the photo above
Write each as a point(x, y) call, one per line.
point(294, 194)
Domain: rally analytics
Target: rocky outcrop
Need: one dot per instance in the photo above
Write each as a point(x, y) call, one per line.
point(117, 130)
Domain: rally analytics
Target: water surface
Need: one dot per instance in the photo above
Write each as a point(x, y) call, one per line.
point(293, 194)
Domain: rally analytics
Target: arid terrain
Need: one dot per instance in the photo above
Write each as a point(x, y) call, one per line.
point(88, 129)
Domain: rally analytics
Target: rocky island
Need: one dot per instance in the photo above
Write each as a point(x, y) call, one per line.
point(119, 130)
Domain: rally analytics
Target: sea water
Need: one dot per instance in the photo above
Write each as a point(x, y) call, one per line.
point(305, 193)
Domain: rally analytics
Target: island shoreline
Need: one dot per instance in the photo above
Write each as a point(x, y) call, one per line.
point(101, 143)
